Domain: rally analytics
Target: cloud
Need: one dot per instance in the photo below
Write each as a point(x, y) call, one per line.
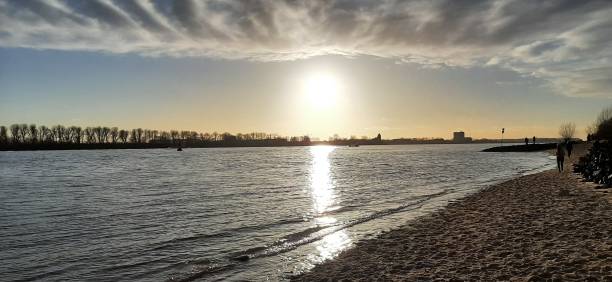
point(566, 42)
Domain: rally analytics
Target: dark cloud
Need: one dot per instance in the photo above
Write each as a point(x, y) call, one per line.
point(557, 40)
point(102, 12)
point(139, 14)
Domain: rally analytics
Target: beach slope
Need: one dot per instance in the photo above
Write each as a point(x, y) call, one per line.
point(532, 228)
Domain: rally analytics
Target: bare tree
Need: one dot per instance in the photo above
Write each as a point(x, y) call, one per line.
point(46, 134)
point(567, 130)
point(604, 116)
point(97, 131)
point(139, 135)
point(33, 133)
point(148, 135)
point(174, 135)
point(603, 124)
point(76, 134)
point(590, 129)
point(15, 133)
point(164, 136)
point(123, 135)
point(23, 132)
point(3, 135)
point(104, 134)
point(89, 135)
point(42, 133)
point(133, 138)
point(114, 134)
point(184, 134)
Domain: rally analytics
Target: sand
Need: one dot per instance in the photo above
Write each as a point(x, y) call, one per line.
point(542, 227)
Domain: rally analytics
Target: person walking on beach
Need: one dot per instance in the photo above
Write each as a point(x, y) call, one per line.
point(569, 147)
point(560, 157)
point(533, 140)
point(526, 141)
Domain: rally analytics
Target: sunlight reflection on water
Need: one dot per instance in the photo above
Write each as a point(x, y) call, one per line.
point(323, 197)
point(321, 182)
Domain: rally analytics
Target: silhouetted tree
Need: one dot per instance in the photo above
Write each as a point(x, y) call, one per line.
point(76, 134)
point(165, 136)
point(33, 133)
point(30, 136)
point(603, 124)
point(174, 135)
point(227, 137)
point(114, 134)
point(184, 135)
point(98, 134)
point(3, 135)
point(44, 134)
point(15, 133)
point(148, 135)
point(89, 135)
point(104, 134)
point(23, 132)
point(123, 135)
point(59, 132)
point(567, 130)
point(139, 135)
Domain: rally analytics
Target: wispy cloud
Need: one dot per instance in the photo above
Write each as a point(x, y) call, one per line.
point(566, 42)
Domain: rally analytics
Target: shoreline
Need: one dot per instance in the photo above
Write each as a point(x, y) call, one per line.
point(546, 225)
point(140, 146)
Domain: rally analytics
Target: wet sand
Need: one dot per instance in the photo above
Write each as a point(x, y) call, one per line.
point(546, 226)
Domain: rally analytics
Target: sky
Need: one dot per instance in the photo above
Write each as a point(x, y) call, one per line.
point(318, 68)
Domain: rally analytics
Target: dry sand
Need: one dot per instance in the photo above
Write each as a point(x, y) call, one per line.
point(542, 227)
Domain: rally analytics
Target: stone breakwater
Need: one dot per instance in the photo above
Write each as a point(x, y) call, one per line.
point(522, 148)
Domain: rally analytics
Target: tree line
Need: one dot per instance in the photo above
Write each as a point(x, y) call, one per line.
point(24, 135)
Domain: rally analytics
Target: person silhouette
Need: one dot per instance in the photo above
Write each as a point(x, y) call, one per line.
point(533, 140)
point(526, 141)
point(569, 147)
point(560, 157)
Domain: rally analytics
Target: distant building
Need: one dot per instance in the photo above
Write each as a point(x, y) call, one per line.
point(377, 139)
point(459, 137)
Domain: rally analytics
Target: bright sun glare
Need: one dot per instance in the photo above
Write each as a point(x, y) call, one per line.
point(321, 89)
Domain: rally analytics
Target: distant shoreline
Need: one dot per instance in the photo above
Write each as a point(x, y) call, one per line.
point(121, 146)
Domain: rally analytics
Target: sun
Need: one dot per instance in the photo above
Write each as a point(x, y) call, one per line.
point(321, 90)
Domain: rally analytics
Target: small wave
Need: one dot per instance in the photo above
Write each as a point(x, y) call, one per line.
point(224, 233)
point(169, 243)
point(294, 240)
point(131, 265)
point(202, 273)
point(48, 274)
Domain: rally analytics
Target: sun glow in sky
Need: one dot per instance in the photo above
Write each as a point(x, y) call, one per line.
point(322, 90)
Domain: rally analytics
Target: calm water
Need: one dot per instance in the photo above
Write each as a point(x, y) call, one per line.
point(154, 215)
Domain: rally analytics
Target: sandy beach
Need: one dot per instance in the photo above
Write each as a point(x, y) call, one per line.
point(548, 226)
